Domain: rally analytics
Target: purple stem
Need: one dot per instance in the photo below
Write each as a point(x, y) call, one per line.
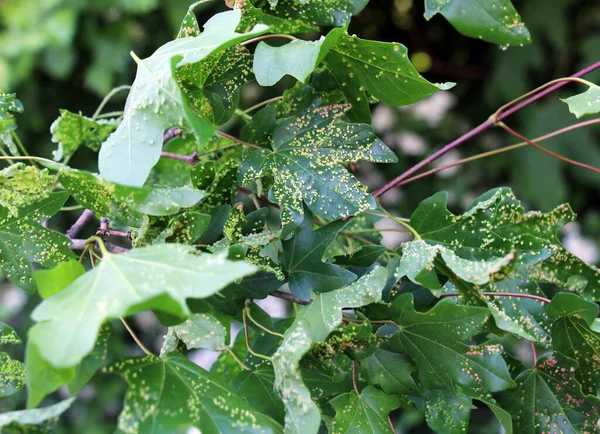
point(77, 244)
point(85, 217)
point(478, 130)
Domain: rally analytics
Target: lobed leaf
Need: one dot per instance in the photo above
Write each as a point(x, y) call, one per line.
point(586, 103)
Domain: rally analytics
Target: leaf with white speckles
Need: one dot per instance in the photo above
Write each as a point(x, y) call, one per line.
point(257, 387)
point(189, 26)
point(391, 371)
point(12, 372)
point(298, 58)
point(366, 413)
point(493, 21)
point(39, 420)
point(156, 102)
point(158, 277)
point(23, 240)
point(437, 335)
point(201, 330)
point(306, 164)
point(586, 103)
point(316, 12)
point(381, 68)
point(71, 131)
point(171, 394)
point(9, 105)
point(312, 325)
point(22, 185)
point(549, 399)
point(446, 413)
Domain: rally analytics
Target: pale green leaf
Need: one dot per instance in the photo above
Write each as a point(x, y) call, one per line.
point(22, 185)
point(39, 420)
point(156, 103)
point(158, 277)
point(586, 103)
point(49, 282)
point(201, 330)
point(312, 325)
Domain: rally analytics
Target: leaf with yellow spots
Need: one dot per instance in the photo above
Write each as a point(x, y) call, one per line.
point(21, 185)
point(493, 21)
point(9, 105)
point(312, 325)
point(316, 12)
point(201, 330)
point(306, 162)
point(437, 335)
point(549, 399)
point(366, 413)
point(380, 68)
point(167, 395)
point(38, 420)
point(12, 372)
point(71, 131)
point(189, 26)
point(158, 277)
point(23, 240)
point(156, 101)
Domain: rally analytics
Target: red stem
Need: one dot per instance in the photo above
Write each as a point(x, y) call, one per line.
point(478, 130)
point(501, 294)
point(533, 353)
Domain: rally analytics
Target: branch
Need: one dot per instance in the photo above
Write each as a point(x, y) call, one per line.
point(79, 244)
point(171, 133)
point(191, 159)
point(478, 130)
point(85, 217)
point(501, 294)
point(290, 297)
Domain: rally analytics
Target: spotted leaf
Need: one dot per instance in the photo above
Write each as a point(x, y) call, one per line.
point(159, 277)
point(200, 331)
point(364, 413)
point(166, 395)
point(9, 105)
point(586, 103)
point(39, 420)
point(316, 12)
point(550, 398)
point(12, 372)
point(23, 240)
point(306, 160)
point(496, 21)
point(437, 335)
point(156, 103)
point(22, 185)
point(312, 325)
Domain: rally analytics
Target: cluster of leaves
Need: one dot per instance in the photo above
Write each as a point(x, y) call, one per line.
point(379, 331)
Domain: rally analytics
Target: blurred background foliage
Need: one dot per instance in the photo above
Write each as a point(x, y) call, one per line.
point(70, 53)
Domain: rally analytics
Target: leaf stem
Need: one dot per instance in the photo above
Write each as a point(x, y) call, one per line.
point(115, 114)
point(27, 158)
point(247, 337)
point(261, 104)
point(400, 222)
point(547, 151)
point(235, 139)
point(237, 359)
point(135, 338)
point(19, 143)
point(259, 325)
point(100, 242)
point(290, 298)
point(354, 362)
point(478, 130)
point(533, 353)
point(497, 151)
point(501, 294)
point(107, 98)
point(71, 208)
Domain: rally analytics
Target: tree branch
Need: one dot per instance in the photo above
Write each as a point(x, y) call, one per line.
point(79, 244)
point(85, 217)
point(290, 297)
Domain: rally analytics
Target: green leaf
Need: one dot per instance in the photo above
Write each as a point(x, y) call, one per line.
point(297, 58)
point(257, 387)
point(437, 335)
point(9, 104)
point(39, 420)
point(71, 131)
point(200, 331)
point(306, 164)
point(573, 337)
point(156, 103)
point(8, 336)
point(324, 12)
point(446, 413)
point(312, 325)
point(259, 131)
point(380, 68)
point(220, 183)
point(366, 413)
point(550, 396)
point(49, 282)
point(70, 320)
point(92, 362)
point(127, 203)
point(497, 22)
point(418, 264)
point(24, 240)
point(303, 260)
point(22, 185)
point(586, 103)
point(364, 256)
point(12, 375)
point(174, 393)
point(565, 304)
point(392, 372)
point(189, 26)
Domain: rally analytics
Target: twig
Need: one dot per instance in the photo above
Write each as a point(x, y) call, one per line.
point(191, 159)
point(498, 151)
point(116, 233)
point(85, 217)
point(354, 362)
point(136, 339)
point(171, 133)
point(547, 151)
point(290, 297)
point(534, 353)
point(79, 244)
point(235, 139)
point(478, 130)
point(103, 228)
